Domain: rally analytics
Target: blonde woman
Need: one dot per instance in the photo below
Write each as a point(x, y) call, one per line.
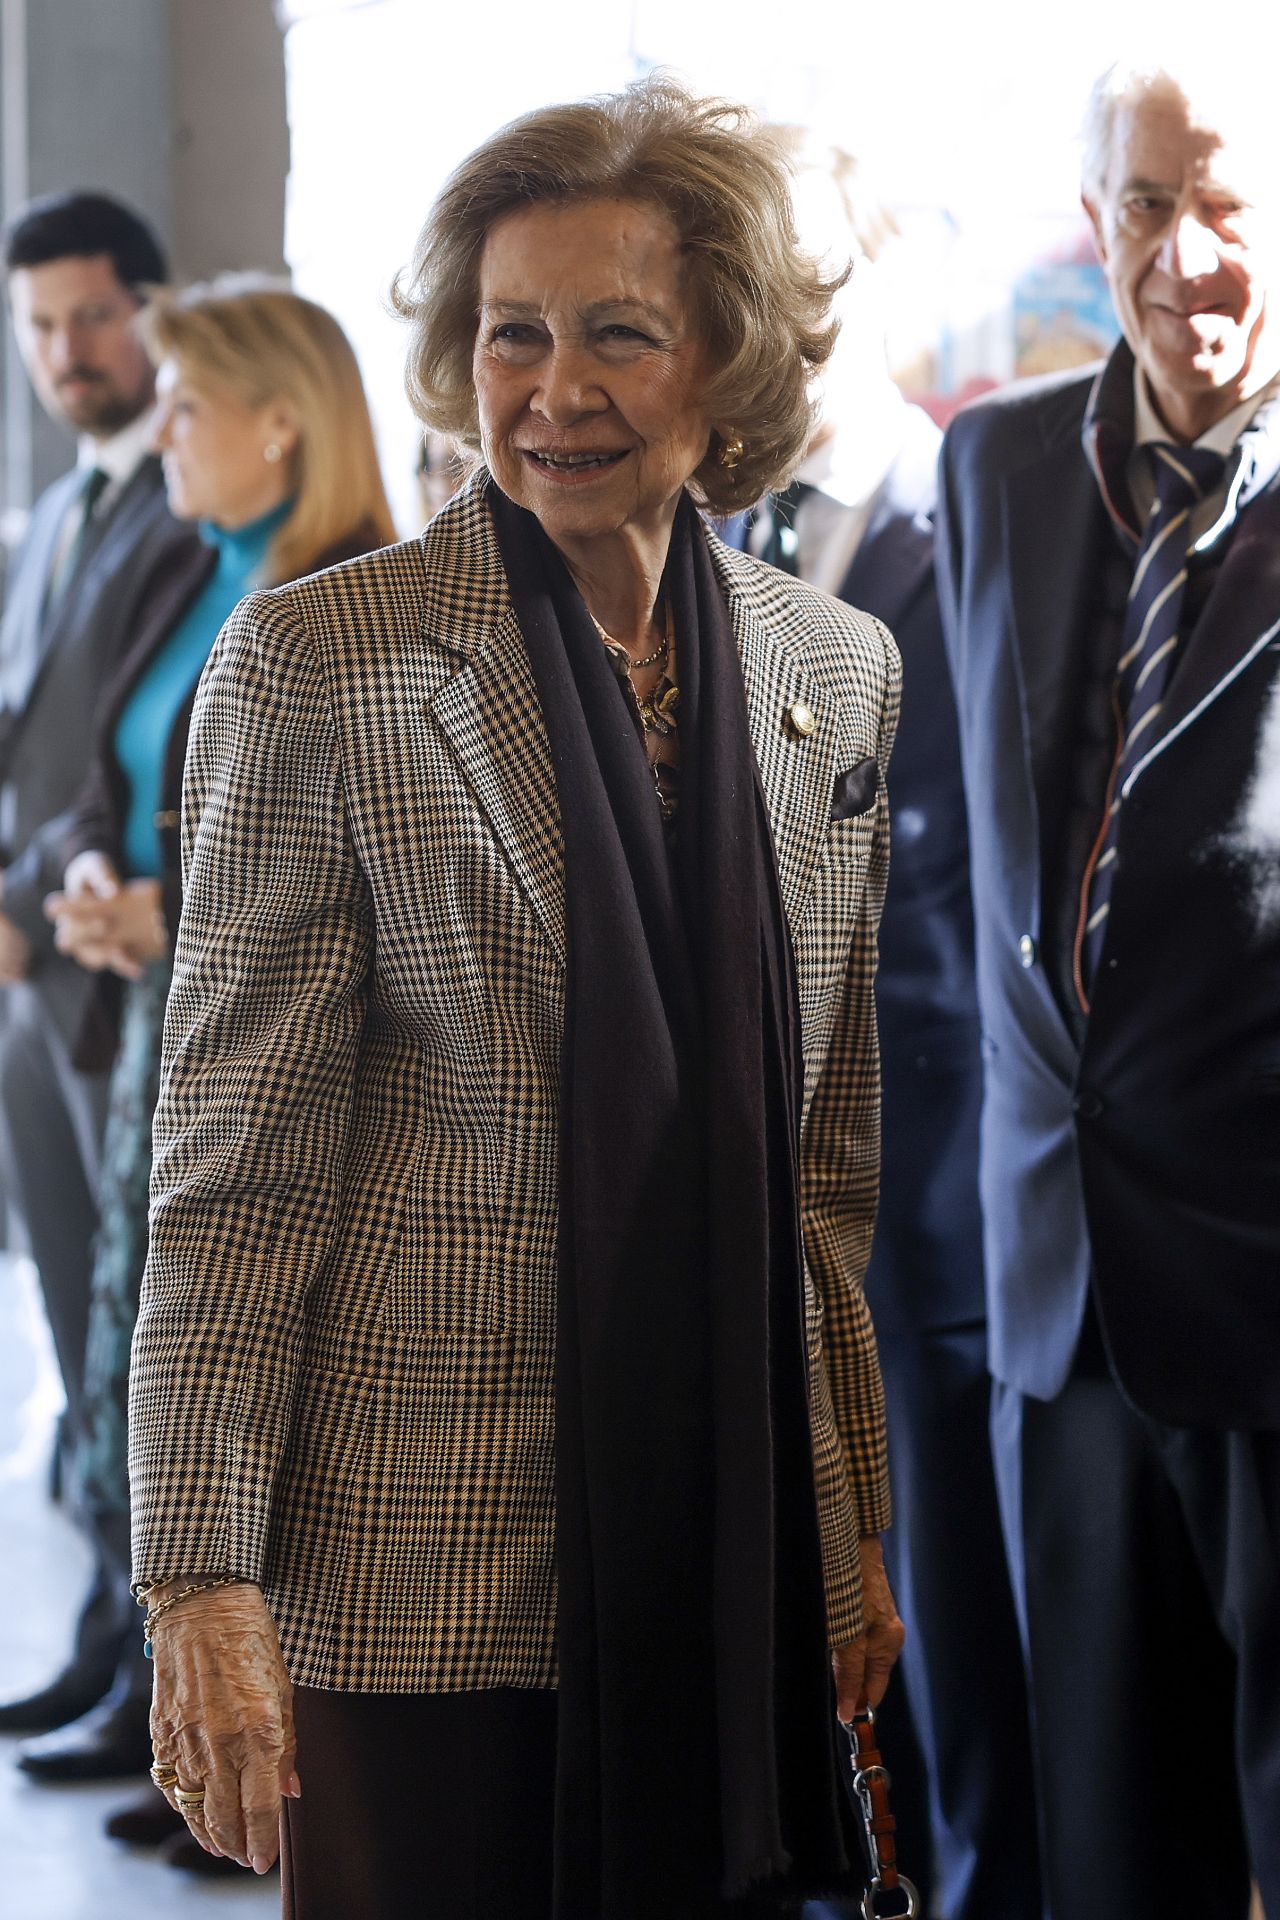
point(519, 1115)
point(267, 446)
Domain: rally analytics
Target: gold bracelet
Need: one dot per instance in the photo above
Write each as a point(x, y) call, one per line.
point(184, 1593)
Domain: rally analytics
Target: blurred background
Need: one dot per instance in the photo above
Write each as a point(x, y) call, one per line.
point(310, 135)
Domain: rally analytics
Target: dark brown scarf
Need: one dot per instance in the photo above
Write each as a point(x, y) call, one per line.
point(697, 1740)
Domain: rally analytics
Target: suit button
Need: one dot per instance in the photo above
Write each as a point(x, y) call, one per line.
point(803, 719)
point(169, 818)
point(1087, 1104)
point(1027, 950)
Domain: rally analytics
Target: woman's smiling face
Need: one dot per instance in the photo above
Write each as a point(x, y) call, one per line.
point(588, 366)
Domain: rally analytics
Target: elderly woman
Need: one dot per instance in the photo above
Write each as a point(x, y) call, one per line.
point(506, 1413)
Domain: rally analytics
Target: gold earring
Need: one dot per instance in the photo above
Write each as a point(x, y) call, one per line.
point(272, 452)
point(731, 452)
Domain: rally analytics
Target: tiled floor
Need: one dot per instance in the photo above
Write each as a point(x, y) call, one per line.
point(55, 1861)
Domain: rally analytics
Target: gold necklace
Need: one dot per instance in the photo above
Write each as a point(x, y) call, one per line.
point(659, 653)
point(650, 659)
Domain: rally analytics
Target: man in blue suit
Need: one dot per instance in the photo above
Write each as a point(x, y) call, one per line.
point(861, 525)
point(1109, 557)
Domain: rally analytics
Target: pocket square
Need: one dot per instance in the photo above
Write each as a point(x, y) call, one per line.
point(856, 790)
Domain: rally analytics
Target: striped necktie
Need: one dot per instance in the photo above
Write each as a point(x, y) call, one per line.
point(1183, 476)
point(782, 548)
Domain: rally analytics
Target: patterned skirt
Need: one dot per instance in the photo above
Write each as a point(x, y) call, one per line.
point(101, 1467)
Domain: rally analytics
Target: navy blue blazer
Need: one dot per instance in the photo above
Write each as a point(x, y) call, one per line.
point(1147, 1152)
point(926, 1263)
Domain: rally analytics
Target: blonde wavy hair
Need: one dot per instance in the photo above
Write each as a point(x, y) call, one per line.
point(762, 304)
point(265, 343)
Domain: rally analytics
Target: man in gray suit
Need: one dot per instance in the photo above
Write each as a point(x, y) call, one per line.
point(76, 265)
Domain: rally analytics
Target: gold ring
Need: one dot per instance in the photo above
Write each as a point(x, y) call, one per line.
point(164, 1776)
point(188, 1800)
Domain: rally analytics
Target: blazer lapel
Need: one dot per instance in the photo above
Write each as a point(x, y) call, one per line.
point(893, 561)
point(1239, 620)
point(482, 696)
point(1053, 520)
point(98, 552)
point(485, 702)
point(26, 636)
point(797, 771)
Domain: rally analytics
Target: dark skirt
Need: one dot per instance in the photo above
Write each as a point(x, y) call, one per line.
point(100, 1470)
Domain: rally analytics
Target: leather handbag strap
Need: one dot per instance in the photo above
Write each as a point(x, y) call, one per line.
point(871, 1783)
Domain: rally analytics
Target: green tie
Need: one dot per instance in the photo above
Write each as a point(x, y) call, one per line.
point(95, 485)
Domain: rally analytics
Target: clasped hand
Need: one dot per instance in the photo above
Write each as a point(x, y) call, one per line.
point(103, 922)
point(222, 1718)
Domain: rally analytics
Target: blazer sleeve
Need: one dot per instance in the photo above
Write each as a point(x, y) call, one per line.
point(261, 1037)
point(92, 825)
point(840, 1173)
point(37, 871)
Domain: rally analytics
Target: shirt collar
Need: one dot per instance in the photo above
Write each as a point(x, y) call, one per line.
point(851, 467)
point(1107, 434)
point(1221, 436)
point(120, 456)
point(1113, 428)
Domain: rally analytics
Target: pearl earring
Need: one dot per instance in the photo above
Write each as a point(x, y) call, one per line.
point(272, 452)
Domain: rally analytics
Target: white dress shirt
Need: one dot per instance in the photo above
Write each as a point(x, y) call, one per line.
point(846, 472)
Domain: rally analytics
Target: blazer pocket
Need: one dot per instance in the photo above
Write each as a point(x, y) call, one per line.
point(856, 790)
point(445, 1282)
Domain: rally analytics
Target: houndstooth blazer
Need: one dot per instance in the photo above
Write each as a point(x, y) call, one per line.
point(342, 1376)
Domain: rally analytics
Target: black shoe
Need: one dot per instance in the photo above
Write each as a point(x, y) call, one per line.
point(113, 1740)
point(77, 1688)
point(147, 1821)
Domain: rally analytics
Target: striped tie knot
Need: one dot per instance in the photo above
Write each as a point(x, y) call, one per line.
point(1183, 477)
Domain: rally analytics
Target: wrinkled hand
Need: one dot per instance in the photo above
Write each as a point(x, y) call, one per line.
point(862, 1668)
point(15, 952)
point(104, 924)
point(222, 1714)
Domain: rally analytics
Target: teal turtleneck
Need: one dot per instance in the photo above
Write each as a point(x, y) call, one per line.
point(142, 732)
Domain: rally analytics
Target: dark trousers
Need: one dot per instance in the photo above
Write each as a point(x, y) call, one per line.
point(1147, 1571)
point(962, 1665)
point(51, 1121)
point(954, 1726)
point(429, 1806)
point(421, 1807)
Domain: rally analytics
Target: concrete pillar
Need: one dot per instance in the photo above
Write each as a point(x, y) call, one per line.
point(178, 106)
point(230, 136)
point(86, 91)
